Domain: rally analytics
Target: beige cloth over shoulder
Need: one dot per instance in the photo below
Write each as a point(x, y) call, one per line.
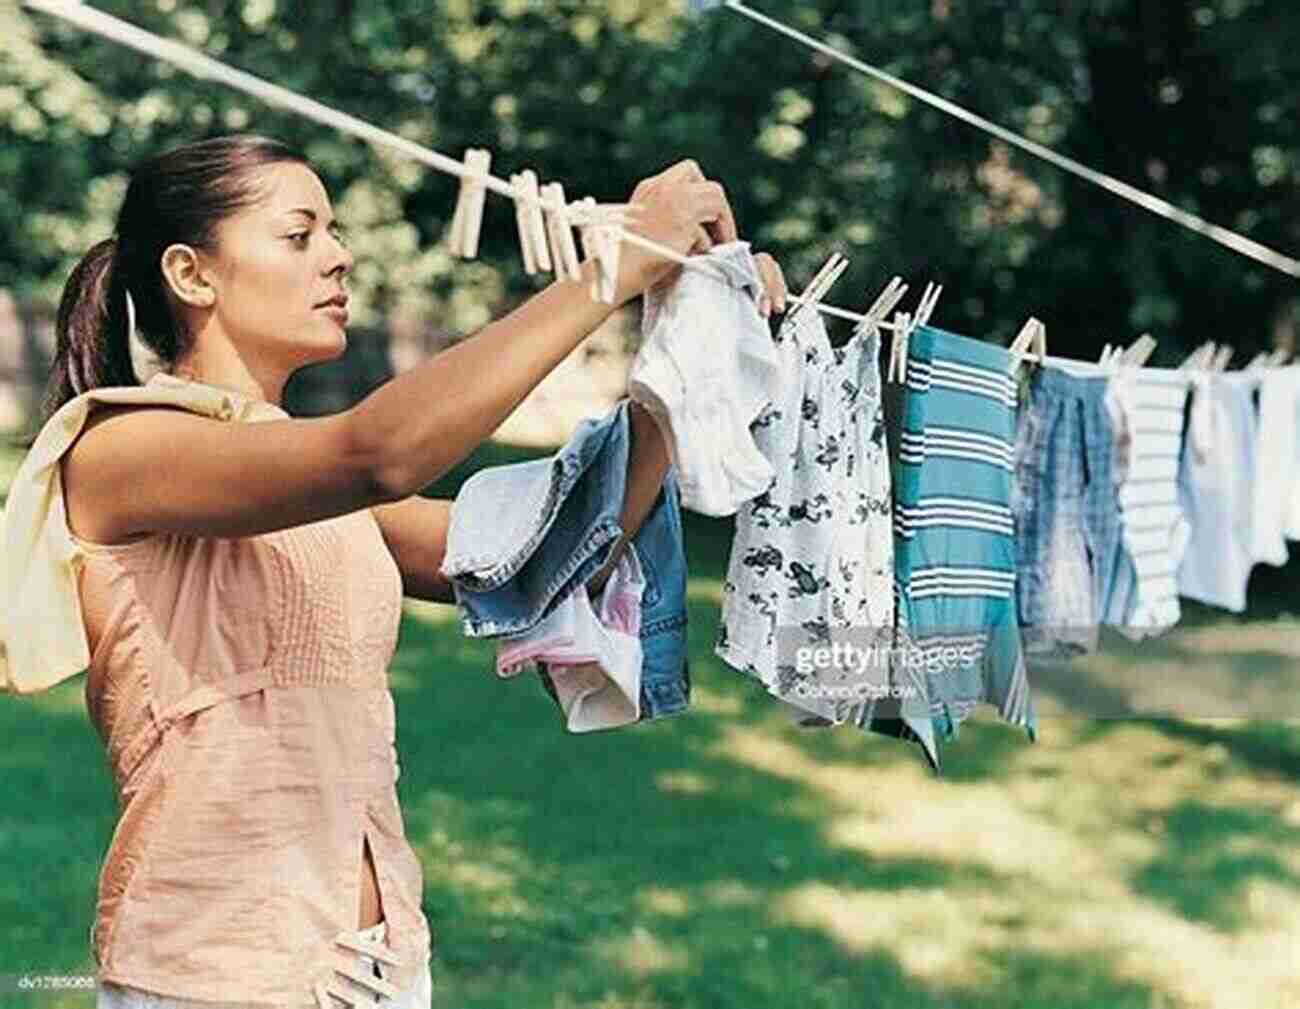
point(38, 555)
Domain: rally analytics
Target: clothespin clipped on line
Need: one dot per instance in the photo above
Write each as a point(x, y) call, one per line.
point(905, 324)
point(1261, 360)
point(1105, 355)
point(1221, 359)
point(1030, 344)
point(600, 226)
point(560, 230)
point(467, 221)
point(820, 284)
point(1140, 351)
point(1279, 357)
point(880, 308)
point(532, 227)
point(897, 371)
point(1200, 358)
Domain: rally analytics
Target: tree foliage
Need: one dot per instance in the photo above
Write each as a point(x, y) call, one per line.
point(1193, 100)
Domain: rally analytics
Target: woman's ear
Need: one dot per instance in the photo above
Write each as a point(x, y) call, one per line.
point(183, 273)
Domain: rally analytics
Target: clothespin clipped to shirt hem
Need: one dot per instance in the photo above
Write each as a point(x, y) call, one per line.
point(880, 308)
point(1030, 344)
point(925, 309)
point(820, 284)
point(467, 221)
point(898, 347)
point(905, 324)
point(1139, 352)
point(1199, 359)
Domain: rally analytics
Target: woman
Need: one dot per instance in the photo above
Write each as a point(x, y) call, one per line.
point(259, 856)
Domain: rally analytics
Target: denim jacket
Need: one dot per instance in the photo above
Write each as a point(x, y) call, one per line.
point(523, 536)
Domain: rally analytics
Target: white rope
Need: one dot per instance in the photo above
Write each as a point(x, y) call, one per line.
point(1234, 241)
point(207, 68)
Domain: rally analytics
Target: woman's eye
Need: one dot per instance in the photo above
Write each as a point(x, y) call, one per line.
point(300, 237)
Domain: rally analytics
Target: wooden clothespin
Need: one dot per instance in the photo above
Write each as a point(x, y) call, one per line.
point(600, 228)
point(880, 308)
point(1199, 359)
point(898, 347)
point(926, 308)
point(532, 227)
point(816, 290)
point(905, 324)
point(1030, 343)
point(560, 231)
point(1221, 359)
point(1139, 352)
point(467, 221)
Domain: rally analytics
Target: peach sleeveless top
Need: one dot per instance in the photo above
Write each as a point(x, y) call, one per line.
point(240, 688)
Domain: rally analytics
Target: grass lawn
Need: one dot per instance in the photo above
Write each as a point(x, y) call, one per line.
point(723, 858)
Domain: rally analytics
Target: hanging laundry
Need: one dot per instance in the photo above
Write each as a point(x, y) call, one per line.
point(1277, 468)
point(1155, 530)
point(592, 659)
point(811, 560)
point(705, 369)
point(522, 537)
point(955, 552)
point(1216, 486)
point(1067, 521)
point(1291, 492)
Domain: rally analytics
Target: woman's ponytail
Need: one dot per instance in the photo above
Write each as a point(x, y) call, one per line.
point(91, 349)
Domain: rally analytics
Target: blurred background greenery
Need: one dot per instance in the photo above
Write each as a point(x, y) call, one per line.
point(723, 858)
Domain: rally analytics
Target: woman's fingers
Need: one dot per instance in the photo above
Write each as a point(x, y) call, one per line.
point(774, 286)
point(703, 243)
point(714, 211)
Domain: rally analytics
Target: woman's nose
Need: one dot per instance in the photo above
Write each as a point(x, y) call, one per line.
point(342, 261)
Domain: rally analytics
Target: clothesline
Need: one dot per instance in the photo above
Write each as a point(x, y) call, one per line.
point(1238, 243)
point(205, 67)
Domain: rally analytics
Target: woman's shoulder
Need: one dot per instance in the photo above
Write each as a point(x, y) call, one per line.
point(89, 518)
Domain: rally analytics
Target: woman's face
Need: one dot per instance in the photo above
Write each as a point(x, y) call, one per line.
point(280, 260)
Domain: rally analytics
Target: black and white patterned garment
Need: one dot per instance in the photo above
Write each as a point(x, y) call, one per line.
point(813, 556)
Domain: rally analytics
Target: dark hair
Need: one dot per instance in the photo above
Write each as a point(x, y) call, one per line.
point(178, 196)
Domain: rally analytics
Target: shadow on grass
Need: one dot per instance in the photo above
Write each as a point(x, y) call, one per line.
point(1211, 854)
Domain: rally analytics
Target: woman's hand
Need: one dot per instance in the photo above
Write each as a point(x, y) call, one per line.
point(681, 209)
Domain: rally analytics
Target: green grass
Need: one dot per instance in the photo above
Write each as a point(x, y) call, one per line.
point(724, 859)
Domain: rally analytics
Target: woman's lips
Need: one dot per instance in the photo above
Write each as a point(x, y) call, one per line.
point(337, 312)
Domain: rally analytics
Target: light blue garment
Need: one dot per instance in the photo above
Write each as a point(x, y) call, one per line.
point(1216, 487)
point(955, 557)
point(524, 536)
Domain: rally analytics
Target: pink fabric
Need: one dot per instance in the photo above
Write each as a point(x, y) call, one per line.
point(593, 657)
point(240, 688)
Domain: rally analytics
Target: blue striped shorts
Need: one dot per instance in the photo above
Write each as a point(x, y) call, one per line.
point(954, 547)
